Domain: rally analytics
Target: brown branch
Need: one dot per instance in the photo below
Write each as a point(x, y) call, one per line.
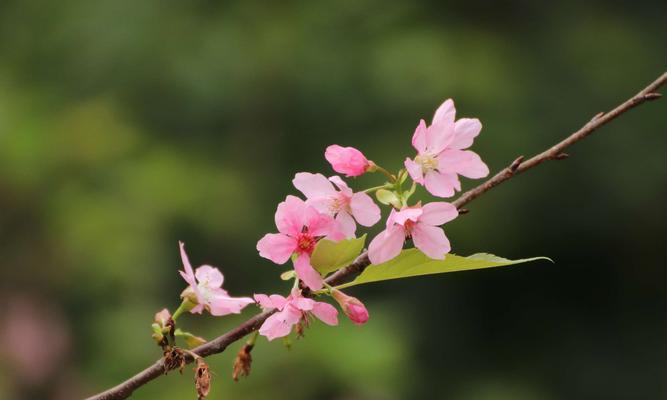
point(218, 345)
point(556, 152)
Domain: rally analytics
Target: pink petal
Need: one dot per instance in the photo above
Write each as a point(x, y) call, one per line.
point(322, 204)
point(415, 171)
point(209, 276)
point(463, 162)
point(276, 247)
point(307, 273)
point(438, 213)
point(342, 186)
point(336, 235)
point(326, 313)
point(313, 185)
point(318, 224)
point(264, 301)
point(419, 137)
point(364, 209)
point(189, 274)
point(441, 184)
point(407, 214)
point(223, 305)
point(465, 131)
point(445, 114)
point(475, 168)
point(391, 221)
point(346, 224)
point(270, 302)
point(452, 160)
point(386, 245)
point(431, 240)
point(278, 301)
point(290, 216)
point(439, 137)
point(280, 324)
point(301, 302)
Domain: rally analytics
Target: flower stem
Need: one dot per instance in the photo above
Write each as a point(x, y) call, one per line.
point(186, 305)
point(392, 178)
point(376, 188)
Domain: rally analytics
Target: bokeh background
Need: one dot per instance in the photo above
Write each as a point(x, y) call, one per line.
point(126, 126)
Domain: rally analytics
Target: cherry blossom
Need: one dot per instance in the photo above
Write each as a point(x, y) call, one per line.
point(343, 204)
point(441, 154)
point(206, 290)
point(419, 223)
point(347, 160)
point(292, 310)
point(300, 227)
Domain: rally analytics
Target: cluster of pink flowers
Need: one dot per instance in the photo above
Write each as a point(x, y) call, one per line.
point(331, 210)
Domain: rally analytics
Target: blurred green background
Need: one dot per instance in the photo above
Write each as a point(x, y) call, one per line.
point(126, 126)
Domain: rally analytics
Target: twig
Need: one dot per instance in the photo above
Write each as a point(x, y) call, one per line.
point(218, 345)
point(556, 151)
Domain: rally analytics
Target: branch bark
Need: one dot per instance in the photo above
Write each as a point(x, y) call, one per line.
point(218, 345)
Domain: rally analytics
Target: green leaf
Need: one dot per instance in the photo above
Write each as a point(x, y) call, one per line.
point(413, 262)
point(329, 256)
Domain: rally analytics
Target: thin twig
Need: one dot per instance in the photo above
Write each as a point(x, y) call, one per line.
point(218, 345)
point(556, 152)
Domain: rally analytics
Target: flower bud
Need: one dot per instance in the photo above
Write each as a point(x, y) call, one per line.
point(162, 326)
point(162, 317)
point(352, 307)
point(347, 160)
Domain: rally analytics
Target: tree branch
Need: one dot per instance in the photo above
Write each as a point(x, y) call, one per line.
point(218, 345)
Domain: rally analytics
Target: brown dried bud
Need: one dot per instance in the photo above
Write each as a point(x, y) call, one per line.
point(301, 326)
point(299, 330)
point(173, 358)
point(243, 362)
point(202, 379)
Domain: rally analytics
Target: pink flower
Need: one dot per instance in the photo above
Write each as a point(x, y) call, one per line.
point(300, 227)
point(291, 310)
point(352, 307)
point(342, 203)
point(420, 223)
point(347, 160)
point(206, 284)
point(441, 154)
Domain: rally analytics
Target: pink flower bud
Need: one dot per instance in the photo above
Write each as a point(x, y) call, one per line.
point(162, 317)
point(352, 307)
point(347, 160)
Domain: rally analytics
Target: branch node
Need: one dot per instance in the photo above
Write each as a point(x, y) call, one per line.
point(516, 163)
point(652, 96)
point(597, 116)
